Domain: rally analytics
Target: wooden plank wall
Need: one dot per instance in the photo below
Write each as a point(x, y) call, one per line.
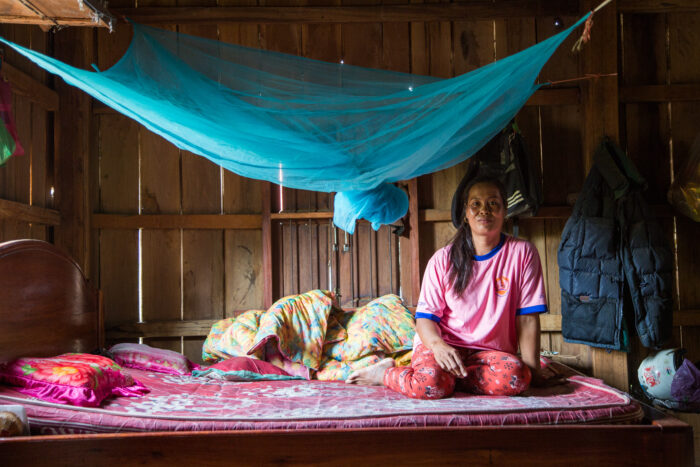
point(28, 179)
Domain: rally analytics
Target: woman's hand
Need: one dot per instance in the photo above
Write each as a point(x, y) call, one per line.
point(449, 359)
point(546, 377)
point(445, 355)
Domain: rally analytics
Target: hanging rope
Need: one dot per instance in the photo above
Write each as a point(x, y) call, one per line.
point(586, 35)
point(581, 78)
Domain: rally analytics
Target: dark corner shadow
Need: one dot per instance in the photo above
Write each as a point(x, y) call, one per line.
point(567, 388)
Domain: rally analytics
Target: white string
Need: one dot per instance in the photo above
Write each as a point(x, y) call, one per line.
point(601, 5)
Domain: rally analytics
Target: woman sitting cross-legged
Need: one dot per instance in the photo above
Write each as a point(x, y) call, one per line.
point(480, 299)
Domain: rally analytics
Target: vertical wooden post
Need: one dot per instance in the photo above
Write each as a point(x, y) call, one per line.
point(601, 118)
point(266, 245)
point(414, 233)
point(72, 145)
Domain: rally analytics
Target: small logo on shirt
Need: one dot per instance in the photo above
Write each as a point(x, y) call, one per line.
point(502, 285)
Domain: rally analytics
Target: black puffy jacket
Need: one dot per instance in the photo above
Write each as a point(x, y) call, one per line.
point(613, 258)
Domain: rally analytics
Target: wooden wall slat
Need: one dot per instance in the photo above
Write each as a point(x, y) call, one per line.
point(243, 255)
point(20, 166)
point(396, 47)
point(323, 234)
point(160, 249)
point(288, 266)
point(307, 256)
point(365, 272)
point(346, 261)
point(39, 192)
point(119, 165)
point(387, 262)
point(119, 178)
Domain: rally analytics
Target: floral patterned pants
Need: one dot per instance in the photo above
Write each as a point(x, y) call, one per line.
point(489, 372)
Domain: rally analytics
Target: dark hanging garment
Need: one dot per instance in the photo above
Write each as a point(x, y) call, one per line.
point(504, 157)
point(615, 266)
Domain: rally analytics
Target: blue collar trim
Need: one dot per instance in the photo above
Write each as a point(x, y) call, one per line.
point(493, 252)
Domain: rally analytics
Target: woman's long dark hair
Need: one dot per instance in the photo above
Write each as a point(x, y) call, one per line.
point(463, 252)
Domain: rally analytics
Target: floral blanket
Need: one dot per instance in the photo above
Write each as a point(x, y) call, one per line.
point(308, 336)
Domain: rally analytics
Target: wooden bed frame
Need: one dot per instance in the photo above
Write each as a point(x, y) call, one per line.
point(47, 308)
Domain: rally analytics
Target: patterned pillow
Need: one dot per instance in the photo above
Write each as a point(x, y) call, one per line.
point(384, 325)
point(244, 369)
point(76, 379)
point(145, 357)
point(209, 352)
point(233, 337)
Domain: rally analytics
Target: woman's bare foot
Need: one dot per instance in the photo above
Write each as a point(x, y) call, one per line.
point(373, 375)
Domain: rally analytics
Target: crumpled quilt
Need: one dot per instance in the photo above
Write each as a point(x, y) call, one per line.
point(306, 335)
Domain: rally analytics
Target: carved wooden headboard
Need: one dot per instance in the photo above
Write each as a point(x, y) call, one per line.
point(46, 305)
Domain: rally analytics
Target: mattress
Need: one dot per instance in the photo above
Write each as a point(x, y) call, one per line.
point(186, 403)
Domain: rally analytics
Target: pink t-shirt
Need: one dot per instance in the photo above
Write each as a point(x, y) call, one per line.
point(505, 282)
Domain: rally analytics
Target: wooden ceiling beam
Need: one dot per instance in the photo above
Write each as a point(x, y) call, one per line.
point(55, 13)
point(657, 6)
point(39, 21)
point(478, 9)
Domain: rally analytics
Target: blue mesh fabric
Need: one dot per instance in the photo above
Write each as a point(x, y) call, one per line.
point(308, 124)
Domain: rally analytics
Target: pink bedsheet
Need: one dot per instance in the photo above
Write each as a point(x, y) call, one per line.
point(185, 403)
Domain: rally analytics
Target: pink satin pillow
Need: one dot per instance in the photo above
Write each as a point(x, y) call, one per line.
point(76, 379)
point(145, 357)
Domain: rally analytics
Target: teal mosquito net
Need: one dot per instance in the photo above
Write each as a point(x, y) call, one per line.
point(308, 124)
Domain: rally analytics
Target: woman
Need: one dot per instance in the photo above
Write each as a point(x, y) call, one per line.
point(480, 299)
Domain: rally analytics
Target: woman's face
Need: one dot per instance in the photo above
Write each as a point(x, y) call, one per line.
point(485, 211)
